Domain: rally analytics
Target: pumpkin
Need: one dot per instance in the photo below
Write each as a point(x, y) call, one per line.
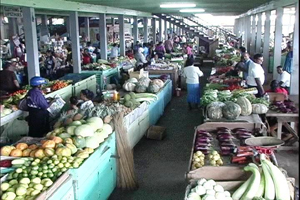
point(43, 141)
point(231, 110)
point(139, 88)
point(57, 139)
point(68, 141)
point(16, 153)
point(33, 146)
point(128, 86)
point(32, 153)
point(82, 154)
point(259, 108)
point(132, 80)
point(26, 152)
point(158, 82)
point(49, 151)
point(153, 88)
point(22, 146)
point(79, 142)
point(72, 147)
point(39, 153)
point(63, 151)
point(49, 144)
point(245, 104)
point(6, 150)
point(214, 110)
point(144, 81)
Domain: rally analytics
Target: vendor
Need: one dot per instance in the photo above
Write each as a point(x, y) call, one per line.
point(38, 119)
point(274, 87)
point(160, 50)
point(74, 104)
point(8, 79)
point(86, 57)
point(114, 51)
point(86, 96)
point(141, 61)
point(256, 75)
point(284, 78)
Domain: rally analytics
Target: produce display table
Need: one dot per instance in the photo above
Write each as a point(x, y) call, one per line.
point(138, 121)
point(172, 72)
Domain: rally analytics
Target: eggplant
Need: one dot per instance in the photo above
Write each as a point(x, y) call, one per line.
point(202, 131)
point(201, 148)
point(238, 129)
point(244, 132)
point(223, 132)
point(222, 137)
point(200, 144)
point(244, 136)
point(203, 139)
point(223, 129)
point(227, 144)
point(204, 134)
point(205, 152)
point(225, 152)
point(226, 148)
point(224, 140)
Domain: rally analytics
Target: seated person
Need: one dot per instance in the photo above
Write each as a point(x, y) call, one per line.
point(284, 78)
point(86, 57)
point(274, 87)
point(141, 61)
point(74, 104)
point(86, 96)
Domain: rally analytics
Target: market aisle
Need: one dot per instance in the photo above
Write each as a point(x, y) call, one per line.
point(161, 165)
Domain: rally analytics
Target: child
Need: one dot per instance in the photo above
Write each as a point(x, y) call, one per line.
point(74, 104)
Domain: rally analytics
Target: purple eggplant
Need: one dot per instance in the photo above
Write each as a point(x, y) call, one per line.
point(201, 148)
point(225, 152)
point(244, 136)
point(222, 137)
point(224, 140)
point(204, 134)
point(243, 132)
point(202, 131)
point(225, 148)
point(227, 144)
point(203, 139)
point(238, 129)
point(202, 144)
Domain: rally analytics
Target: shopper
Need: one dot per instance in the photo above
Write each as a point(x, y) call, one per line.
point(86, 57)
point(288, 59)
point(136, 47)
point(169, 45)
point(114, 51)
point(189, 50)
point(192, 74)
point(8, 79)
point(86, 96)
point(160, 50)
point(247, 61)
point(146, 50)
point(275, 87)
point(38, 119)
point(242, 50)
point(141, 61)
point(283, 78)
point(256, 75)
point(50, 64)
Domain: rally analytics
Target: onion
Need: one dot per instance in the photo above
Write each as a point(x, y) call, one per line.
point(277, 103)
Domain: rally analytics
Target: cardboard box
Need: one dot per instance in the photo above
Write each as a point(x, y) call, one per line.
point(138, 74)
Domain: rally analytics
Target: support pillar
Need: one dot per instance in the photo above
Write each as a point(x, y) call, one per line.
point(121, 35)
point(266, 47)
point(44, 28)
point(253, 36)
point(166, 30)
point(154, 30)
point(277, 40)
point(294, 88)
point(31, 42)
point(247, 32)
point(67, 24)
point(74, 31)
point(87, 28)
point(145, 30)
point(103, 36)
point(135, 29)
point(258, 35)
point(160, 30)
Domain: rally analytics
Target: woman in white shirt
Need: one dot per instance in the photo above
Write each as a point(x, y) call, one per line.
point(86, 96)
point(192, 74)
point(114, 51)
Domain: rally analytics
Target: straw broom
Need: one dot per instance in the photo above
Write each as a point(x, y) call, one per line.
point(126, 176)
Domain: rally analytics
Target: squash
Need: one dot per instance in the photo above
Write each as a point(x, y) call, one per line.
point(68, 141)
point(144, 81)
point(153, 88)
point(49, 144)
point(231, 110)
point(139, 88)
point(259, 108)
point(79, 142)
point(245, 104)
point(6, 150)
point(214, 110)
point(63, 151)
point(49, 152)
point(16, 153)
point(33, 146)
point(22, 146)
point(26, 152)
point(88, 150)
point(72, 147)
point(39, 153)
point(158, 82)
point(128, 86)
point(32, 153)
point(57, 139)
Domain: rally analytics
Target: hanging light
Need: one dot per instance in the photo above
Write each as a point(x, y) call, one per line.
point(178, 5)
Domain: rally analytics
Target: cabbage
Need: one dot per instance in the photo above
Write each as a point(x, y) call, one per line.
point(95, 122)
point(84, 130)
point(92, 142)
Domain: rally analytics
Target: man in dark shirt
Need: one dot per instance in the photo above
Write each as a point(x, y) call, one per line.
point(8, 78)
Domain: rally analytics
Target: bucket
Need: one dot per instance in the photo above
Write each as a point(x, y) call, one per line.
point(178, 92)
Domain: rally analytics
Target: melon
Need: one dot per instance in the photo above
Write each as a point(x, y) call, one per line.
point(214, 110)
point(259, 108)
point(231, 110)
point(245, 104)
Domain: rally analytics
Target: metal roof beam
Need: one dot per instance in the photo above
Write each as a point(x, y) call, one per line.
point(62, 5)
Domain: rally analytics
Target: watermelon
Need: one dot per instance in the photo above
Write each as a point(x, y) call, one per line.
point(214, 110)
point(231, 110)
point(245, 104)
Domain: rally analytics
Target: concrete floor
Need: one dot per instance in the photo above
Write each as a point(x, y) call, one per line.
point(160, 166)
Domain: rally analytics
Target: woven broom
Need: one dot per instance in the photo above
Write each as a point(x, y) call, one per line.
point(126, 176)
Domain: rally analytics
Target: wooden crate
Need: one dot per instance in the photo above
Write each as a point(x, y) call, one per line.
point(231, 186)
point(221, 173)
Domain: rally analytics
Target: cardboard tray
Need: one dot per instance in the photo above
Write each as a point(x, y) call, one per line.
point(231, 186)
point(227, 172)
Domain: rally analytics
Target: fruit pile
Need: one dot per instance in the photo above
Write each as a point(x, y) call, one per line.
point(58, 85)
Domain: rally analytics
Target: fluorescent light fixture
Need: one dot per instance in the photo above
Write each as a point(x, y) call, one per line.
point(192, 10)
point(178, 5)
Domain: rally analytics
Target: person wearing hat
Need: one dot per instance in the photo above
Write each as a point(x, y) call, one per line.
point(38, 119)
point(8, 79)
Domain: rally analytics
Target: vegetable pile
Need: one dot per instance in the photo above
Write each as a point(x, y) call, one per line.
point(208, 190)
point(265, 183)
point(143, 85)
point(133, 100)
point(287, 106)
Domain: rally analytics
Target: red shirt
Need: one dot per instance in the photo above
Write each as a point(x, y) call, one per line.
point(86, 59)
point(280, 90)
